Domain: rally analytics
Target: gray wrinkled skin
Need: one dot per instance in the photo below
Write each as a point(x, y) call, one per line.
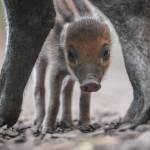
point(29, 23)
point(131, 20)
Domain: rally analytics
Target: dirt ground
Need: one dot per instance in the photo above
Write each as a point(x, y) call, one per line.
point(108, 105)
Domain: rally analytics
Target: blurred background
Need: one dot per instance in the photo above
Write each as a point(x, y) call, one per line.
point(114, 97)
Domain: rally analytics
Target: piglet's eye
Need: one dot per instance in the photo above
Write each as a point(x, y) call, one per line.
point(105, 53)
point(72, 55)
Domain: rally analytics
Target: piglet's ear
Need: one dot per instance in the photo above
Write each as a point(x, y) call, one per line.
point(105, 31)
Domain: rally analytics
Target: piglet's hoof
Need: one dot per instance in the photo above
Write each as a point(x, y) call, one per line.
point(89, 127)
point(64, 124)
point(47, 130)
point(36, 128)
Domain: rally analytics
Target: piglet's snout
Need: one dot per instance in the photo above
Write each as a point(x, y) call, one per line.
point(90, 86)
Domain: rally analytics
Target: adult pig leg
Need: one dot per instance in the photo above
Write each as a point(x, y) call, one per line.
point(131, 21)
point(29, 24)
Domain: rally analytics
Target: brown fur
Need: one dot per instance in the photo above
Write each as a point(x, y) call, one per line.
point(88, 37)
point(77, 46)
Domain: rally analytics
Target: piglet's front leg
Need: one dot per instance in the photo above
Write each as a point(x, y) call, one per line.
point(85, 124)
point(67, 92)
point(56, 78)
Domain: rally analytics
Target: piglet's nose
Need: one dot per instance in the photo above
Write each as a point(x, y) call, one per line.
point(90, 86)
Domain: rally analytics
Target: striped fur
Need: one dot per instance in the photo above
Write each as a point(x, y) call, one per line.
point(81, 27)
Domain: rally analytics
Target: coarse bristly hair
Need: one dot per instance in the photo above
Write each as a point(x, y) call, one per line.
point(79, 45)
